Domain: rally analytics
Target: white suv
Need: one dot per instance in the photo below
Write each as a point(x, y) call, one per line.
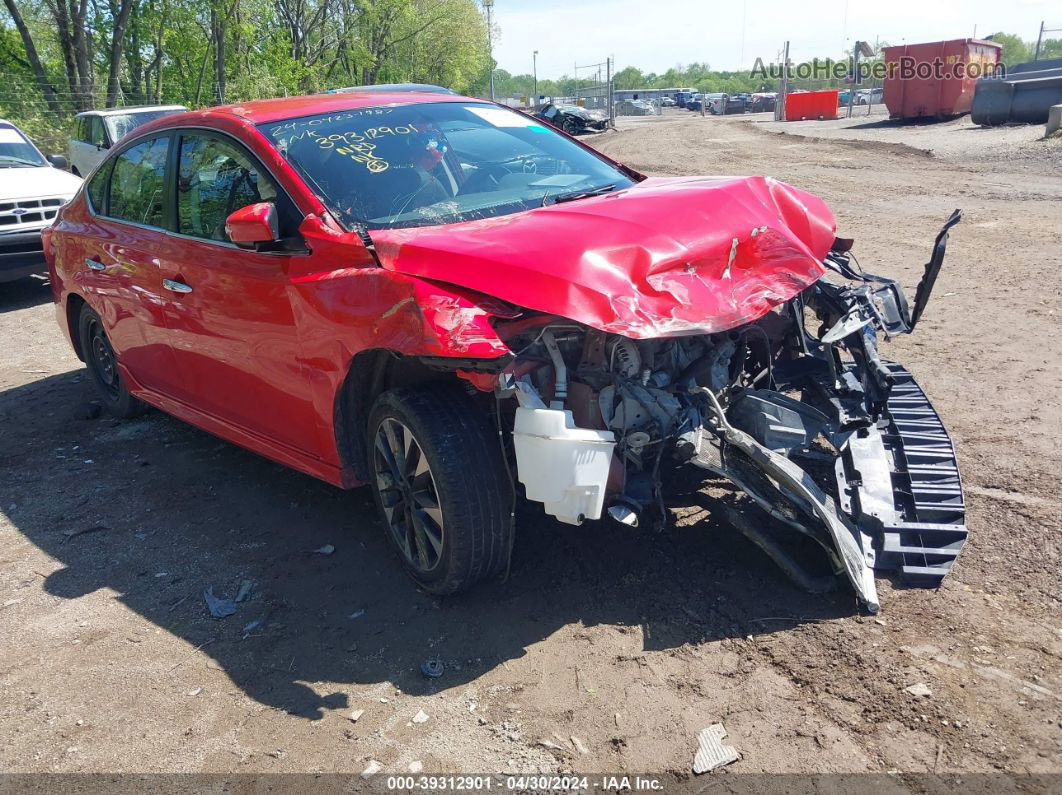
point(32, 189)
point(96, 131)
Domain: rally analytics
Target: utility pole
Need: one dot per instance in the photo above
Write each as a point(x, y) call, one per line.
point(608, 92)
point(1039, 41)
point(489, 4)
point(534, 67)
point(783, 89)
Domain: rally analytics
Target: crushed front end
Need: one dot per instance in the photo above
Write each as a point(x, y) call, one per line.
point(797, 409)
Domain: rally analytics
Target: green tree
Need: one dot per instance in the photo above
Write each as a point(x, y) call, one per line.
point(630, 77)
point(1014, 51)
point(1049, 48)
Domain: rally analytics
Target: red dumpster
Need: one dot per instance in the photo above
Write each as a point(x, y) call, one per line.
point(935, 79)
point(811, 105)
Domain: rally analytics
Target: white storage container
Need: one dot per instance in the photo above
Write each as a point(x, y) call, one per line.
point(562, 466)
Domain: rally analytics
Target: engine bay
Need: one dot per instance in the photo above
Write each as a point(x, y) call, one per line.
point(797, 409)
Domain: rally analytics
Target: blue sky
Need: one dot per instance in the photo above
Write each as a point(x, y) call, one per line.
point(657, 34)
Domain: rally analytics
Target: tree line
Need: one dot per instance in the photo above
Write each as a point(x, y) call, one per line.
point(58, 57)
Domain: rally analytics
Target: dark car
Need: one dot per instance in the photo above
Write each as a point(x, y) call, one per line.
point(572, 118)
point(763, 102)
point(738, 103)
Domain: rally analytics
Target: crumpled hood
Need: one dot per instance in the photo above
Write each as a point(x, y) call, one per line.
point(667, 256)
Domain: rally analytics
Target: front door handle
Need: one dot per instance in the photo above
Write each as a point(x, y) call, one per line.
point(177, 287)
point(96, 265)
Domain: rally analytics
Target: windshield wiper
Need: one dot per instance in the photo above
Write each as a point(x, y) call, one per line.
point(11, 160)
point(575, 195)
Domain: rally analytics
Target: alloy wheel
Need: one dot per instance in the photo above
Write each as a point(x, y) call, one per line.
point(408, 495)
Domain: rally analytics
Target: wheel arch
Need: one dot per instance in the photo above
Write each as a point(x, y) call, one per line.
point(372, 372)
point(74, 304)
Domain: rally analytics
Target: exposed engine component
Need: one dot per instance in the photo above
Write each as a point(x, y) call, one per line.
point(748, 404)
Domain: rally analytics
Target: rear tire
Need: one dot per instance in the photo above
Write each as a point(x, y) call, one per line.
point(102, 365)
point(441, 486)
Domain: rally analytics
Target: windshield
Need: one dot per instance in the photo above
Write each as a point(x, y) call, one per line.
point(16, 151)
point(121, 124)
point(436, 163)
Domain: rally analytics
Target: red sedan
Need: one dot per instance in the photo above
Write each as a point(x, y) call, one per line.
point(438, 296)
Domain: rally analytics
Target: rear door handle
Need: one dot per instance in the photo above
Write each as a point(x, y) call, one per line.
point(96, 265)
point(177, 287)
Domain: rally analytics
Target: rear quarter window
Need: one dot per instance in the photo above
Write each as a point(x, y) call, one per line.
point(97, 189)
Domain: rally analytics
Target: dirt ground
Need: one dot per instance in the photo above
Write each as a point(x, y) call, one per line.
point(606, 649)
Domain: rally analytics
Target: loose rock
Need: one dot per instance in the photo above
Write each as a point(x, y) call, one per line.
point(371, 769)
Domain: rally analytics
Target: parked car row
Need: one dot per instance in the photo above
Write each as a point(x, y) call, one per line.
point(863, 96)
point(717, 103)
point(635, 107)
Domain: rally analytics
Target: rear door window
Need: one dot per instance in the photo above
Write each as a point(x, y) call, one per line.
point(138, 183)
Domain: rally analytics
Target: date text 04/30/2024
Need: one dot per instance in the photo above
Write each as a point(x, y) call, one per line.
point(518, 783)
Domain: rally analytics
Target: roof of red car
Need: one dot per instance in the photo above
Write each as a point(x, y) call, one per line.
point(267, 110)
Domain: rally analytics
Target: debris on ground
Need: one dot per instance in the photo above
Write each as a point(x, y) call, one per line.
point(218, 607)
point(416, 767)
point(420, 717)
point(195, 692)
point(371, 769)
point(552, 746)
point(258, 623)
point(80, 531)
point(327, 549)
point(432, 668)
point(579, 745)
point(245, 590)
point(356, 715)
point(919, 689)
point(356, 614)
point(711, 753)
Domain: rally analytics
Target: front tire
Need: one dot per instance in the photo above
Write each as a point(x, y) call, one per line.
point(441, 486)
point(102, 365)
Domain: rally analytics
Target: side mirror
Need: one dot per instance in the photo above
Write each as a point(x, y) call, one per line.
point(253, 225)
point(59, 162)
